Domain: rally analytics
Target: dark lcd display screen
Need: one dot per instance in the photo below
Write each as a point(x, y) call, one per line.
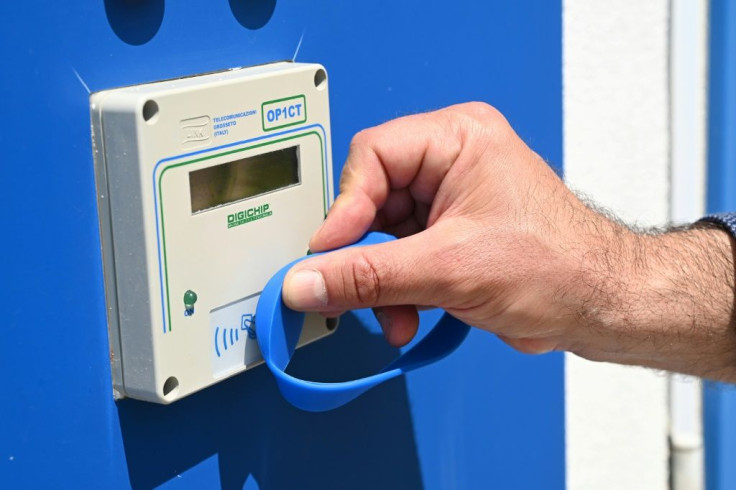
point(240, 179)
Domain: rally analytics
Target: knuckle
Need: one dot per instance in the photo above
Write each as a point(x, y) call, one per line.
point(482, 111)
point(362, 139)
point(481, 118)
point(364, 281)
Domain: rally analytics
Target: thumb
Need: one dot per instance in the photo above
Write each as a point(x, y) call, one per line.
point(400, 272)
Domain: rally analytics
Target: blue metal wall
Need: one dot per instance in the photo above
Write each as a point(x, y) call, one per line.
point(485, 418)
point(720, 399)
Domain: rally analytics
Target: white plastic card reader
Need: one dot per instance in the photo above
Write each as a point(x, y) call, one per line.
point(206, 186)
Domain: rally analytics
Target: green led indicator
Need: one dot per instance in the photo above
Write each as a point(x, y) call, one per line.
point(190, 297)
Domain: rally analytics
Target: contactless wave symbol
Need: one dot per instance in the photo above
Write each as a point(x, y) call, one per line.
point(228, 337)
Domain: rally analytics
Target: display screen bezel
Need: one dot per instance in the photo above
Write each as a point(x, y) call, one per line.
point(243, 170)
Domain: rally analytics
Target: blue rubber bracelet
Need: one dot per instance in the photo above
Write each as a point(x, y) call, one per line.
point(278, 329)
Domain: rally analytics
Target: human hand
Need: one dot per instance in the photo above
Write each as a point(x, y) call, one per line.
point(480, 214)
point(490, 234)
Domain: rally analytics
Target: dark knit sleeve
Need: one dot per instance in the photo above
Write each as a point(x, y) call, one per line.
point(727, 221)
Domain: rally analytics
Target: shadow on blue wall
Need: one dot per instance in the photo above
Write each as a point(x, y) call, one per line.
point(253, 431)
point(253, 14)
point(134, 21)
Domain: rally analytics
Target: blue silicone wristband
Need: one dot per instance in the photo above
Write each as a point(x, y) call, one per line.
point(278, 329)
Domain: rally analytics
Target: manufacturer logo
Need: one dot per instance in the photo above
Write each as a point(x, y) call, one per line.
point(248, 215)
point(195, 132)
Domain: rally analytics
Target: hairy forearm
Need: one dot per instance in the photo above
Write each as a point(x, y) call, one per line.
point(664, 301)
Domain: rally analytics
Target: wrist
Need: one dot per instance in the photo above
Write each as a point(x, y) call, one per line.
point(665, 301)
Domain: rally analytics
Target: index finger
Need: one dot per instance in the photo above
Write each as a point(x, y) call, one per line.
point(413, 152)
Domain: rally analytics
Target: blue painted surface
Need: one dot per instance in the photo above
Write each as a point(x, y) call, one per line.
point(484, 418)
point(720, 398)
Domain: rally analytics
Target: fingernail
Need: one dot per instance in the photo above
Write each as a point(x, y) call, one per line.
point(318, 230)
point(305, 289)
point(383, 319)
